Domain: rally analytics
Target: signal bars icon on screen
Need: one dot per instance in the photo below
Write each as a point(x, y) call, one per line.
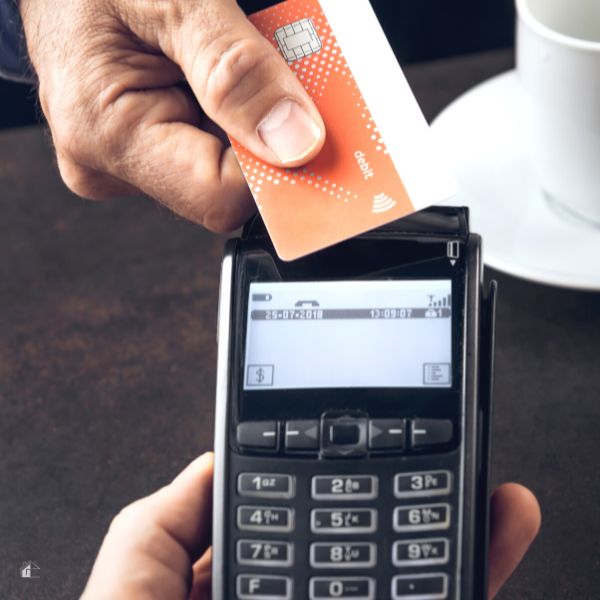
point(382, 203)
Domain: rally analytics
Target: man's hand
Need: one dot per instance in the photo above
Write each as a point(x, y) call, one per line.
point(158, 547)
point(112, 73)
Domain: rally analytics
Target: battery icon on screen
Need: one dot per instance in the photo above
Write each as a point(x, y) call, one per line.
point(261, 297)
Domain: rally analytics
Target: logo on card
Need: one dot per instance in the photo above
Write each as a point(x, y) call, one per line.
point(382, 203)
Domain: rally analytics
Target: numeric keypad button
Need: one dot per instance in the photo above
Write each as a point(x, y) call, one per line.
point(344, 487)
point(421, 552)
point(265, 518)
point(343, 521)
point(357, 588)
point(422, 484)
point(355, 555)
point(424, 517)
point(420, 587)
point(263, 587)
point(265, 485)
point(265, 553)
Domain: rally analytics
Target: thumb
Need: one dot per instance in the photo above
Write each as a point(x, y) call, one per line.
point(245, 86)
point(152, 544)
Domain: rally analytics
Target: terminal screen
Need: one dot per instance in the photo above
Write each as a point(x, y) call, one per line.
point(349, 334)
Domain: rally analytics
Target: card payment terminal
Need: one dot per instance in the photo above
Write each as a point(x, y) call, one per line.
point(353, 415)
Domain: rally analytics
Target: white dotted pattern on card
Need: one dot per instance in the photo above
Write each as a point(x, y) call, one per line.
point(314, 71)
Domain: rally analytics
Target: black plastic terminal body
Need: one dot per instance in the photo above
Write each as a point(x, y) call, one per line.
point(357, 493)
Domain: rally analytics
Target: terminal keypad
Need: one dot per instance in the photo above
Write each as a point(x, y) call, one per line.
point(341, 529)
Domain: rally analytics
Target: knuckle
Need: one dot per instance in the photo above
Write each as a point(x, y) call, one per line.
point(235, 71)
point(130, 516)
point(220, 218)
point(84, 182)
point(155, 20)
point(171, 14)
point(76, 179)
point(71, 127)
point(68, 140)
point(116, 130)
point(82, 123)
point(219, 221)
point(66, 101)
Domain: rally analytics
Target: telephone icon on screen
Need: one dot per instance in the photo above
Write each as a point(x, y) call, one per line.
point(305, 303)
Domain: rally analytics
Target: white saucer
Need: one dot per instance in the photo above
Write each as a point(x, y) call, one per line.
point(483, 136)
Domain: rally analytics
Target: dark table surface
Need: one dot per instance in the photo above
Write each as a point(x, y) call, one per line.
point(107, 372)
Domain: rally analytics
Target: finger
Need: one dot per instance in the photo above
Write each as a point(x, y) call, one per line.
point(190, 171)
point(515, 522)
point(90, 184)
point(201, 587)
point(184, 507)
point(244, 84)
point(152, 144)
point(151, 545)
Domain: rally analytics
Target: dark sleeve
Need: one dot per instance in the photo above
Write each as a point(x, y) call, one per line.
point(14, 63)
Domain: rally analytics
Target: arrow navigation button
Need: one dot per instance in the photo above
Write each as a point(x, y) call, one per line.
point(387, 434)
point(302, 435)
point(374, 431)
point(313, 432)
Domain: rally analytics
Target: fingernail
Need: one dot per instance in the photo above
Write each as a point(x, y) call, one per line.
point(290, 132)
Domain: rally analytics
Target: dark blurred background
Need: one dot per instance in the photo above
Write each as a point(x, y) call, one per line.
point(419, 30)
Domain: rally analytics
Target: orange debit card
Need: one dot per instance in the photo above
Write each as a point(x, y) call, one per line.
point(378, 163)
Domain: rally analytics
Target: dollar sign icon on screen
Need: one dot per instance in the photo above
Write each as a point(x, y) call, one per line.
point(260, 375)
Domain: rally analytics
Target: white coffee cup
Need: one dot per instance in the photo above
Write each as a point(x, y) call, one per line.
point(558, 61)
